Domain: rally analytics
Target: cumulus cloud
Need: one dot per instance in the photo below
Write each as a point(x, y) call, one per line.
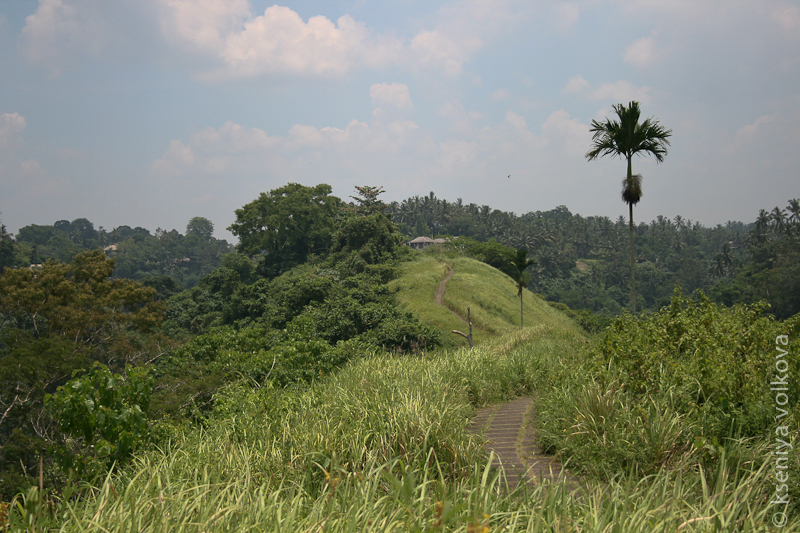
point(564, 15)
point(566, 132)
point(28, 181)
point(228, 39)
point(788, 17)
point(395, 95)
point(642, 53)
point(575, 85)
point(280, 42)
point(62, 32)
point(233, 147)
point(11, 126)
point(499, 94)
point(621, 91)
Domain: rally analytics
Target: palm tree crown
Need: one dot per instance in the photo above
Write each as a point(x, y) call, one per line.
point(627, 137)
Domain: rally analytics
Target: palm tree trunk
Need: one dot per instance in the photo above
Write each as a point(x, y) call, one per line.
point(633, 249)
point(520, 310)
point(633, 264)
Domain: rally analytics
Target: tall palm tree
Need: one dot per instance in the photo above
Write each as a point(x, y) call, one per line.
point(778, 217)
point(627, 137)
point(521, 263)
point(794, 210)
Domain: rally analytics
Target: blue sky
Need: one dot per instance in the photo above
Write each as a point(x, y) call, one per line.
point(150, 112)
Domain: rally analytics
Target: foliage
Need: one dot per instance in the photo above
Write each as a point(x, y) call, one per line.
point(102, 415)
point(76, 301)
point(718, 359)
point(6, 249)
point(685, 388)
point(669, 251)
point(490, 252)
point(286, 225)
point(137, 252)
point(201, 227)
point(53, 321)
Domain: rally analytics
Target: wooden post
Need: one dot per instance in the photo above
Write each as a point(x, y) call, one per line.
point(468, 337)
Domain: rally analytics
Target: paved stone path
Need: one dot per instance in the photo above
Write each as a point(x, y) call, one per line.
point(508, 432)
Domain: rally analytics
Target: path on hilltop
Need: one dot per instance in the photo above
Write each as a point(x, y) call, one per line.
point(508, 430)
point(440, 292)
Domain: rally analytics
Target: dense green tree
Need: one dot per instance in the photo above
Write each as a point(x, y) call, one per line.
point(53, 321)
point(81, 231)
point(287, 225)
point(36, 234)
point(627, 137)
point(6, 248)
point(200, 226)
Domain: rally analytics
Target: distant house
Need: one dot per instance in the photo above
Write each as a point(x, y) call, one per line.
point(420, 243)
point(110, 248)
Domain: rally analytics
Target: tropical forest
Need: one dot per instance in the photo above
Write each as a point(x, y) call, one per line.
point(346, 364)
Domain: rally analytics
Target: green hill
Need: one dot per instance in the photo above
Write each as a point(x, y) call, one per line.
point(490, 294)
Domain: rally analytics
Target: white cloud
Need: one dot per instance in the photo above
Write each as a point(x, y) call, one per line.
point(622, 91)
point(225, 38)
point(568, 133)
point(27, 182)
point(641, 53)
point(788, 17)
point(11, 126)
point(177, 157)
point(575, 85)
point(60, 32)
point(394, 95)
point(280, 42)
point(433, 49)
point(499, 94)
point(204, 24)
point(564, 15)
point(456, 155)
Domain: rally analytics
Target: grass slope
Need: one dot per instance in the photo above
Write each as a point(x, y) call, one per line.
point(490, 295)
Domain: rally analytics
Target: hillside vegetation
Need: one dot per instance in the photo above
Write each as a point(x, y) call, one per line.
point(317, 386)
point(490, 294)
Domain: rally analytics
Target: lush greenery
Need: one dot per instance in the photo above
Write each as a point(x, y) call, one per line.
point(383, 445)
point(582, 261)
point(55, 321)
point(166, 260)
point(310, 383)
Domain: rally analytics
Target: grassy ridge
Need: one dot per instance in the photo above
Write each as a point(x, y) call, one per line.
point(490, 294)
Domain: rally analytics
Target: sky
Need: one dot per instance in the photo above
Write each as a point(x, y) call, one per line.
point(151, 112)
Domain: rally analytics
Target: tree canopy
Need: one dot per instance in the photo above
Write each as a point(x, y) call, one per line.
point(286, 225)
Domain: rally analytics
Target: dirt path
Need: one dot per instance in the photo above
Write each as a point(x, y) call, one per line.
point(440, 293)
point(508, 431)
point(442, 285)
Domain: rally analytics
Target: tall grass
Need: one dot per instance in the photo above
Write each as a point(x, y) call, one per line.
point(382, 446)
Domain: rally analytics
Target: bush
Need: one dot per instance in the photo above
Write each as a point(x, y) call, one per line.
point(102, 417)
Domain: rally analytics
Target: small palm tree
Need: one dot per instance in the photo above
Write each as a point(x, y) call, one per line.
point(627, 137)
point(521, 263)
